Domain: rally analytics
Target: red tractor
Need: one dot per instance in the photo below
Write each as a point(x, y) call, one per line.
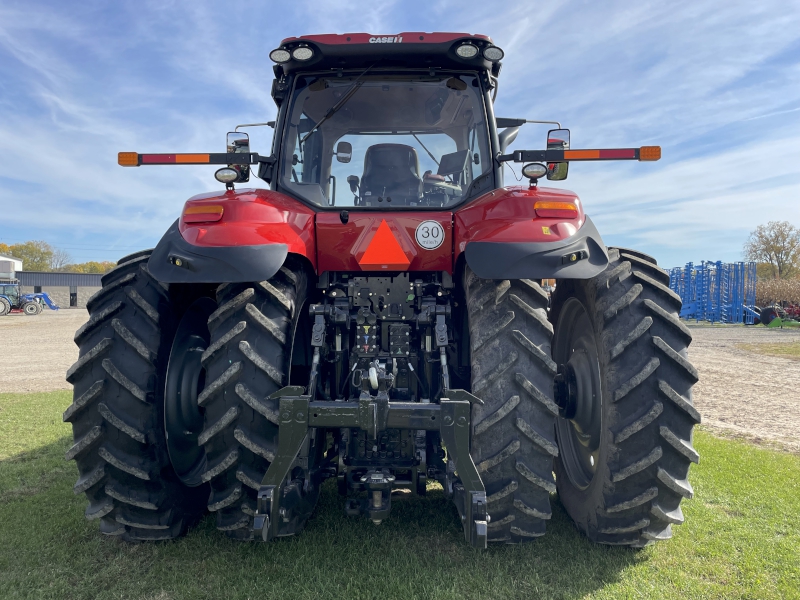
point(374, 315)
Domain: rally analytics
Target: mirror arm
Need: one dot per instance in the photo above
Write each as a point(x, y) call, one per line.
point(267, 124)
point(531, 156)
point(503, 122)
point(507, 137)
point(515, 156)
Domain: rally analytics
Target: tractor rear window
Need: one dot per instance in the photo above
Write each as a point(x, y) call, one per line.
point(385, 141)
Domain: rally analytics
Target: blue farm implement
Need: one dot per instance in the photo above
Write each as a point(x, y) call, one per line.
point(717, 292)
point(11, 300)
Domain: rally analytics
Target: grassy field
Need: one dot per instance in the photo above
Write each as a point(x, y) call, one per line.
point(741, 540)
point(787, 350)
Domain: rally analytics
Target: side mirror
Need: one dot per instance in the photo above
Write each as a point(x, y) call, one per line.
point(353, 181)
point(557, 139)
point(239, 143)
point(344, 152)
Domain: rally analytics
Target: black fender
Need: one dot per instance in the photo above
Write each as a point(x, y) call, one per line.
point(541, 260)
point(175, 260)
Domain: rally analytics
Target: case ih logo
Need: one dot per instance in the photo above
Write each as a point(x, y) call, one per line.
point(386, 40)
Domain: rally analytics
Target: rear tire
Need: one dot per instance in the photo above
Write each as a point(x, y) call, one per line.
point(249, 358)
point(5, 307)
point(627, 490)
point(117, 413)
point(513, 442)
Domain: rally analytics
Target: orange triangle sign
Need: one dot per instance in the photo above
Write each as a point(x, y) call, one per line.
point(384, 252)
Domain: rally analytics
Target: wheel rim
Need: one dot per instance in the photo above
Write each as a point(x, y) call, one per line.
point(183, 418)
point(579, 427)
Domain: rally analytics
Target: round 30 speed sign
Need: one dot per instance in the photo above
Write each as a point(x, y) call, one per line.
point(430, 235)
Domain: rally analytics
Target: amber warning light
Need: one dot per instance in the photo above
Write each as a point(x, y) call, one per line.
point(203, 213)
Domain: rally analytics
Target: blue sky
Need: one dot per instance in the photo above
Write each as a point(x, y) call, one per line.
point(715, 83)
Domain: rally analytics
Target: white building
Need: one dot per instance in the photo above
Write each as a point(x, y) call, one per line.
point(9, 266)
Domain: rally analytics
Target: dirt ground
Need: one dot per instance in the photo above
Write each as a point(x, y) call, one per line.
point(740, 393)
point(743, 393)
point(38, 350)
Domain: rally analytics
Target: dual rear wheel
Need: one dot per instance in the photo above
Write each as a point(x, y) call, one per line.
point(170, 414)
point(616, 441)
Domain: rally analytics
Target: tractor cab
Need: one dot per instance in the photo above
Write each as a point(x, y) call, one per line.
point(385, 122)
point(11, 291)
point(385, 139)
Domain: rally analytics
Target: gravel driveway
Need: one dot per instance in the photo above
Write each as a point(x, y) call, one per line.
point(739, 392)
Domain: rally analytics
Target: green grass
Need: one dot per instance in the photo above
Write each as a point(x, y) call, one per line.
point(741, 540)
point(786, 350)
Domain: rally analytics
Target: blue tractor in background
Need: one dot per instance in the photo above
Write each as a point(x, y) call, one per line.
point(29, 304)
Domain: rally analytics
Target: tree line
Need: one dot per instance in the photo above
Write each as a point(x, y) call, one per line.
point(37, 255)
point(776, 248)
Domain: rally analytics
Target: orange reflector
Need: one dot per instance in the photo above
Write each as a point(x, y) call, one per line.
point(384, 252)
point(581, 154)
point(556, 210)
point(128, 159)
point(191, 158)
point(650, 153)
point(203, 213)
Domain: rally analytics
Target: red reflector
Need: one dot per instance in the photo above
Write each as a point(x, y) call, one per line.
point(384, 252)
point(157, 159)
point(556, 210)
point(621, 153)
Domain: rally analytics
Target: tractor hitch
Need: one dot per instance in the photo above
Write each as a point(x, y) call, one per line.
point(379, 503)
point(285, 500)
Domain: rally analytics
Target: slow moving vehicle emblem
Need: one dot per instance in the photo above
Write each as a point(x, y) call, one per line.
point(430, 235)
point(384, 252)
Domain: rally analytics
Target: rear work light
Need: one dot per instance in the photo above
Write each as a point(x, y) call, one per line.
point(467, 51)
point(280, 55)
point(556, 210)
point(493, 53)
point(203, 213)
point(302, 53)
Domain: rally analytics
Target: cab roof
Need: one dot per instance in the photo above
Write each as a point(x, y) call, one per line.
point(409, 49)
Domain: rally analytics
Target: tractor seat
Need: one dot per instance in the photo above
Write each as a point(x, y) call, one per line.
point(391, 171)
